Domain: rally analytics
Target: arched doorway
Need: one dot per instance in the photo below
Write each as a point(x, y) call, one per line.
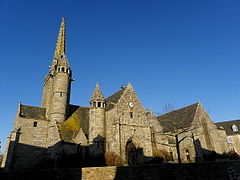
point(134, 153)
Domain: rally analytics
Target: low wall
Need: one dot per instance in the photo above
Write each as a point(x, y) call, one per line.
point(45, 174)
point(196, 171)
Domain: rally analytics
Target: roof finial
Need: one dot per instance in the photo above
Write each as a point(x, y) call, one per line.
point(129, 86)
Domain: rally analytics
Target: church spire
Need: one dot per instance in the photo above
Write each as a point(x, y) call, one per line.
point(60, 58)
point(60, 46)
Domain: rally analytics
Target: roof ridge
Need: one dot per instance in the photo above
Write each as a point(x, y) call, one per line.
point(197, 103)
point(227, 121)
point(32, 106)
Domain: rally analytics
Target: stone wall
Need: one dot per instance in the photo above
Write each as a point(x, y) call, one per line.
point(26, 145)
point(235, 143)
point(47, 93)
point(199, 171)
point(30, 133)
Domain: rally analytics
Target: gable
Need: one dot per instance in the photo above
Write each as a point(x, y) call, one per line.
point(128, 109)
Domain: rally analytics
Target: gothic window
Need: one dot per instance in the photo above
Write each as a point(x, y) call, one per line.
point(234, 128)
point(62, 69)
point(131, 114)
point(35, 124)
point(99, 104)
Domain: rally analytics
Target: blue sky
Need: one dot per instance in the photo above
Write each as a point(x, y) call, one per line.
point(172, 51)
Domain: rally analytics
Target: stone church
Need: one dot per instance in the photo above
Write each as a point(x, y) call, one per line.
point(118, 124)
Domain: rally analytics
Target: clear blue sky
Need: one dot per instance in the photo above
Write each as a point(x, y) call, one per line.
point(172, 51)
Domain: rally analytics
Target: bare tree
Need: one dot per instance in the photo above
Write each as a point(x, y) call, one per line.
point(175, 127)
point(168, 107)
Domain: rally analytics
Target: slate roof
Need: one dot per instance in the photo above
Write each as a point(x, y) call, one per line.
point(78, 120)
point(72, 109)
point(227, 126)
point(113, 99)
point(32, 112)
point(177, 119)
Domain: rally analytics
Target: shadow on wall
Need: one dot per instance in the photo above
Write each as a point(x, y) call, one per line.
point(61, 155)
point(67, 155)
point(205, 155)
point(71, 155)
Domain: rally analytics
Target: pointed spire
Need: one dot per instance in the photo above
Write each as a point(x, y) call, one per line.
point(60, 58)
point(60, 46)
point(97, 93)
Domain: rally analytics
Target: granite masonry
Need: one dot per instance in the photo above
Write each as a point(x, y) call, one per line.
point(118, 124)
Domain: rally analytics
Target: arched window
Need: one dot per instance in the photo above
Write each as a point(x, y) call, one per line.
point(234, 128)
point(63, 69)
point(99, 104)
point(94, 104)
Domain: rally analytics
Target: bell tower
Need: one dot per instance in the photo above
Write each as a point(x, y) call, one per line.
point(57, 84)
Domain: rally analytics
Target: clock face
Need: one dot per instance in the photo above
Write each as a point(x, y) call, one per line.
point(131, 104)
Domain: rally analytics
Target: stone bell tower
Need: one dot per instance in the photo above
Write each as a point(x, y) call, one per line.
point(57, 83)
point(97, 122)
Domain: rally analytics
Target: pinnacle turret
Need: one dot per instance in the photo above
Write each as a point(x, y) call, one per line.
point(97, 93)
point(97, 99)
